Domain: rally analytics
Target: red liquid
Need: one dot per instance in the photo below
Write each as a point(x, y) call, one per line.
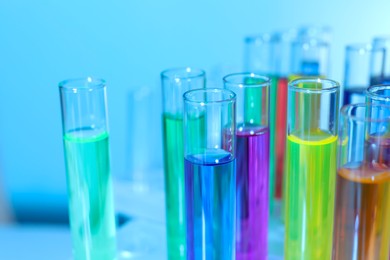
point(281, 120)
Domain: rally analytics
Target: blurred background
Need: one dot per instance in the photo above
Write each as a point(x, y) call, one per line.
point(128, 43)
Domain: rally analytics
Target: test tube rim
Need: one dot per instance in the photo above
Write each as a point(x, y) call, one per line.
point(231, 99)
point(376, 97)
point(335, 86)
point(194, 73)
point(361, 46)
point(79, 84)
point(346, 109)
point(266, 83)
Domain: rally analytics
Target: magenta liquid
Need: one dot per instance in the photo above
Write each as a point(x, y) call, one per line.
point(252, 153)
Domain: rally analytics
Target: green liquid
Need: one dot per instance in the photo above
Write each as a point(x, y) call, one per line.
point(91, 209)
point(174, 186)
point(310, 188)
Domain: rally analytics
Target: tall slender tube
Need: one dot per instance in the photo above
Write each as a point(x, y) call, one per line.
point(313, 106)
point(381, 75)
point(210, 176)
point(310, 58)
point(86, 147)
point(262, 57)
point(174, 83)
point(362, 208)
point(283, 56)
point(252, 152)
point(361, 61)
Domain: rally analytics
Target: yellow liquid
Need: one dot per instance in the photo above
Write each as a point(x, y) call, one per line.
point(310, 189)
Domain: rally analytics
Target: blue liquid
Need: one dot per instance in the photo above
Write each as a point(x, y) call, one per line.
point(210, 183)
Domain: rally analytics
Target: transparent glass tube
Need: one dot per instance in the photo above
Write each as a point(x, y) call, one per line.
point(174, 83)
point(86, 148)
point(378, 94)
point(252, 152)
point(362, 207)
point(263, 56)
point(313, 106)
point(309, 58)
point(210, 176)
point(360, 61)
point(381, 75)
point(278, 117)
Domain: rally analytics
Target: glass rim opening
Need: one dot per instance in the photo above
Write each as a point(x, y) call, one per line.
point(371, 92)
point(329, 85)
point(197, 96)
point(347, 110)
point(237, 80)
point(87, 83)
point(362, 47)
point(183, 73)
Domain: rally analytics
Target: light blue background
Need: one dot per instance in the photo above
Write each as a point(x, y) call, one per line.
point(128, 43)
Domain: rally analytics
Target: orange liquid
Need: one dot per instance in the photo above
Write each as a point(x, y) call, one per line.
point(362, 214)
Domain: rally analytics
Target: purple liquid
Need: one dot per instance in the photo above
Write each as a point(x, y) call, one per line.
point(252, 193)
point(210, 184)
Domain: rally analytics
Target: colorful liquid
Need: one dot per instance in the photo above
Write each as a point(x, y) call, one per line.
point(91, 209)
point(174, 186)
point(252, 193)
point(377, 80)
point(272, 139)
point(210, 198)
point(362, 212)
point(280, 143)
point(354, 96)
point(310, 188)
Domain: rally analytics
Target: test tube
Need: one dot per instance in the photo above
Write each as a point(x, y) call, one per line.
point(313, 106)
point(252, 152)
point(283, 51)
point(360, 61)
point(86, 148)
point(310, 58)
point(381, 74)
point(362, 207)
point(262, 57)
point(378, 94)
point(210, 176)
point(174, 83)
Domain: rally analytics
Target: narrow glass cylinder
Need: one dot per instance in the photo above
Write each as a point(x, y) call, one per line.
point(381, 74)
point(86, 147)
point(360, 61)
point(309, 58)
point(175, 82)
point(362, 207)
point(210, 176)
point(262, 57)
point(252, 151)
point(313, 106)
point(278, 104)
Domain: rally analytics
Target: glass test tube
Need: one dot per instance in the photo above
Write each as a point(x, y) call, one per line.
point(210, 176)
point(362, 205)
point(310, 58)
point(360, 61)
point(283, 51)
point(252, 152)
point(381, 74)
point(261, 57)
point(310, 166)
point(174, 83)
point(86, 147)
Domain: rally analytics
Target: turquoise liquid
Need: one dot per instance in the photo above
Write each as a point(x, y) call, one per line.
point(91, 209)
